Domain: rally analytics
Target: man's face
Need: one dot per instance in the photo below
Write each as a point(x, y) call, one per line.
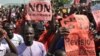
point(29, 35)
point(10, 31)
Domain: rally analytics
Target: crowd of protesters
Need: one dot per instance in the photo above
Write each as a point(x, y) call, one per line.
point(21, 37)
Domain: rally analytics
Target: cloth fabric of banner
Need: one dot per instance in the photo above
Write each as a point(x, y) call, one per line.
point(70, 47)
point(83, 22)
point(79, 42)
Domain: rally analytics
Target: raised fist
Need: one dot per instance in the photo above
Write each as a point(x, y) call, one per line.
point(2, 33)
point(63, 31)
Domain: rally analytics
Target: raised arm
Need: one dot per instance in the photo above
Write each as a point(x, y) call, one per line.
point(11, 45)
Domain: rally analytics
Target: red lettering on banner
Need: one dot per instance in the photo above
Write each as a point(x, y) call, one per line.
point(79, 41)
point(40, 7)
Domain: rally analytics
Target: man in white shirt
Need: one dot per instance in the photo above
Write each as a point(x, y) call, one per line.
point(3, 48)
point(30, 47)
point(16, 39)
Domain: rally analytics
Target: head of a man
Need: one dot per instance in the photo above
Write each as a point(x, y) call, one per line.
point(28, 35)
point(9, 29)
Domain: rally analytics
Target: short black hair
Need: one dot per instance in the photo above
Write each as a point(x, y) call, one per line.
point(26, 27)
point(8, 25)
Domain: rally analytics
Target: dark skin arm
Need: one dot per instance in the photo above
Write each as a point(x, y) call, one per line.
point(11, 45)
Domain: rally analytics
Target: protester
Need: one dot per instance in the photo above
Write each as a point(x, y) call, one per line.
point(3, 48)
point(16, 39)
point(52, 34)
point(30, 47)
point(39, 28)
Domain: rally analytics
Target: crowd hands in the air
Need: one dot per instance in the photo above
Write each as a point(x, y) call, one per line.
point(20, 37)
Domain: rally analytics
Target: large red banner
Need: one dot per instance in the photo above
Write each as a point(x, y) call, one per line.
point(79, 42)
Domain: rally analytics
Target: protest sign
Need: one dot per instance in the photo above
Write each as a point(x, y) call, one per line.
point(79, 41)
point(83, 22)
point(39, 10)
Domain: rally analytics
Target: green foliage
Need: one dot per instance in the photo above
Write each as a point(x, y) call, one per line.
point(64, 1)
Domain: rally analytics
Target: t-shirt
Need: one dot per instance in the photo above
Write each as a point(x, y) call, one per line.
point(3, 49)
point(16, 40)
point(36, 49)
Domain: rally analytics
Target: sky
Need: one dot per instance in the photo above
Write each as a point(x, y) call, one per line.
point(13, 1)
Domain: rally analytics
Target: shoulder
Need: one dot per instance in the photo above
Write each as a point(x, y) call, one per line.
point(20, 48)
point(18, 36)
point(39, 44)
point(41, 47)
